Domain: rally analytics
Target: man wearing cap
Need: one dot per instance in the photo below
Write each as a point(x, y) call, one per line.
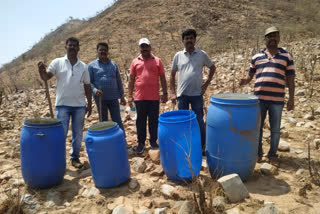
point(145, 71)
point(106, 83)
point(273, 67)
point(189, 64)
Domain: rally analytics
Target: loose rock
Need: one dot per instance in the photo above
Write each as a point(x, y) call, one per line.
point(284, 146)
point(139, 164)
point(233, 187)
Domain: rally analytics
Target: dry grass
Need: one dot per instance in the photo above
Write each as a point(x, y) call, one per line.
point(13, 203)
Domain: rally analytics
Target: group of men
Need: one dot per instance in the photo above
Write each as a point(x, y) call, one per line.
point(273, 67)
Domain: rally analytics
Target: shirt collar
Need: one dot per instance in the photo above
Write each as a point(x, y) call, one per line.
point(66, 58)
point(140, 57)
point(194, 51)
point(108, 60)
point(264, 50)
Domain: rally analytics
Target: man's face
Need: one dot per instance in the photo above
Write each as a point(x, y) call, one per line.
point(272, 39)
point(189, 41)
point(145, 50)
point(72, 48)
point(102, 52)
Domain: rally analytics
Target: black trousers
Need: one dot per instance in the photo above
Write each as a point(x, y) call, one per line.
point(147, 109)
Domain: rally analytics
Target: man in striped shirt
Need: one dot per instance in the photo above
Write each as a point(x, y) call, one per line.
point(273, 67)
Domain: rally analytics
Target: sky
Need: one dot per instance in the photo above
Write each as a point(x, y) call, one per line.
point(24, 22)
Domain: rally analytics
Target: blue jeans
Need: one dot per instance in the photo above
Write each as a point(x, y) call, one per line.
point(275, 112)
point(114, 108)
point(197, 106)
point(77, 115)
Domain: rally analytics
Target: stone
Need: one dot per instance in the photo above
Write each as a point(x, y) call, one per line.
point(186, 208)
point(300, 92)
point(266, 135)
point(300, 124)
point(166, 189)
point(133, 184)
point(8, 174)
point(158, 171)
point(309, 125)
point(176, 207)
point(85, 173)
point(302, 100)
point(218, 203)
point(300, 172)
point(267, 169)
point(154, 156)
point(268, 209)
point(284, 146)
point(284, 134)
point(317, 112)
point(303, 155)
point(121, 210)
point(139, 164)
point(144, 212)
point(179, 193)
point(53, 199)
point(130, 152)
point(146, 190)
point(160, 203)
point(317, 143)
point(233, 211)
point(30, 203)
point(292, 121)
point(91, 192)
point(233, 187)
point(204, 164)
point(308, 117)
point(160, 210)
point(16, 182)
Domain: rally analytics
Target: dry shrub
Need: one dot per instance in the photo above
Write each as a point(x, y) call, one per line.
point(12, 204)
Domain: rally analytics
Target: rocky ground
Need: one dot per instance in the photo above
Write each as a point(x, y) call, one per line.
point(284, 187)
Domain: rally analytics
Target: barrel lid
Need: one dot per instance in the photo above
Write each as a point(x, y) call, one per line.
point(41, 120)
point(235, 99)
point(102, 126)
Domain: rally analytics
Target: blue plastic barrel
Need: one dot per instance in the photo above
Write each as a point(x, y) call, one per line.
point(42, 152)
point(180, 144)
point(233, 122)
point(107, 152)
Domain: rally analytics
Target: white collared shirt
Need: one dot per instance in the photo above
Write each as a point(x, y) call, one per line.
point(70, 81)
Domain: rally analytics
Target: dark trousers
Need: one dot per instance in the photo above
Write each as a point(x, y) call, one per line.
point(114, 108)
point(196, 103)
point(147, 109)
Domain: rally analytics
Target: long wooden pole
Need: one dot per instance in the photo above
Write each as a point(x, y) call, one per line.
point(48, 97)
point(100, 107)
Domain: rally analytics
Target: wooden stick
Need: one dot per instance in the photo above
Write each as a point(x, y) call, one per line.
point(48, 96)
point(100, 112)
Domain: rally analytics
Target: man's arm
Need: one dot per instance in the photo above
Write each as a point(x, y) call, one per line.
point(206, 84)
point(173, 95)
point(130, 89)
point(87, 89)
point(43, 73)
point(291, 86)
point(163, 81)
point(247, 80)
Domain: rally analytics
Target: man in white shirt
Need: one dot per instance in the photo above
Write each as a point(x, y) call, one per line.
point(73, 85)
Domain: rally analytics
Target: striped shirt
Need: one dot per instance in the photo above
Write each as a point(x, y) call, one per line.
point(271, 72)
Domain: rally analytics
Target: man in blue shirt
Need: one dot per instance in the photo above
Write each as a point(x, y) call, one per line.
point(106, 82)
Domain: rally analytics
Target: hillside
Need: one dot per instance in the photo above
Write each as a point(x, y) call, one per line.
point(221, 25)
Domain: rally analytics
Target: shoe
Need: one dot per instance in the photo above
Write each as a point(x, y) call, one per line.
point(274, 161)
point(75, 162)
point(140, 148)
point(259, 159)
point(154, 145)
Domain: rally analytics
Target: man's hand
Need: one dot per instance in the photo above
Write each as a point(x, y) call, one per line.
point(164, 98)
point(290, 104)
point(42, 70)
point(99, 92)
point(89, 109)
point(130, 99)
point(173, 98)
point(123, 101)
point(244, 81)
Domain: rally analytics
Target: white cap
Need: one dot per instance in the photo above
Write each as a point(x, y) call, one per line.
point(144, 41)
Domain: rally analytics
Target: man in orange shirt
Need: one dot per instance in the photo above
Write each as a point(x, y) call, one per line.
point(145, 71)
